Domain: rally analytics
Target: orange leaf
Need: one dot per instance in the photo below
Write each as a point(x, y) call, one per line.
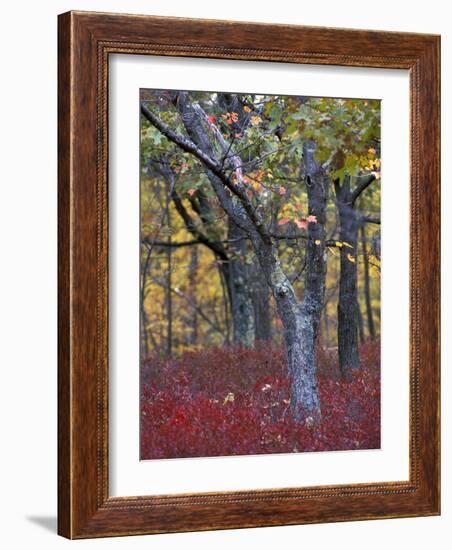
point(283, 221)
point(191, 192)
point(311, 219)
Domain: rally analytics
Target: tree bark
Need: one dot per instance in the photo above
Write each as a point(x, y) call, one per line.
point(240, 288)
point(192, 278)
point(347, 309)
point(261, 304)
point(144, 317)
point(370, 318)
point(361, 334)
point(317, 184)
point(297, 330)
point(169, 272)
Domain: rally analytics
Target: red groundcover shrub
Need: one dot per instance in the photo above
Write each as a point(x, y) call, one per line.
point(235, 401)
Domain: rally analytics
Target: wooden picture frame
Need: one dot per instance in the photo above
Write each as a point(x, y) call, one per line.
point(86, 40)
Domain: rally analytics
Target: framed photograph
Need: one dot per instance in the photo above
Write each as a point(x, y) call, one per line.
point(248, 275)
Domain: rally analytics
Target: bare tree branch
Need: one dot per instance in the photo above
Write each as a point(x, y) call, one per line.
point(362, 184)
point(369, 219)
point(215, 168)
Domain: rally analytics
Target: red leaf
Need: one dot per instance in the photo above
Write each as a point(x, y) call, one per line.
point(301, 224)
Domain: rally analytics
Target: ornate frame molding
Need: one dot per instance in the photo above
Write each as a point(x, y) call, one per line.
point(85, 42)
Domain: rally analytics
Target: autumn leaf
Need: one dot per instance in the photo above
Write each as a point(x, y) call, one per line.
point(229, 398)
point(283, 221)
point(301, 224)
point(191, 192)
point(212, 119)
point(247, 109)
point(230, 118)
point(282, 190)
point(350, 258)
point(255, 120)
point(348, 245)
point(339, 244)
point(317, 242)
point(256, 186)
point(311, 219)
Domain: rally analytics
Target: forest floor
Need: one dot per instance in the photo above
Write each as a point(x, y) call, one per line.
point(235, 401)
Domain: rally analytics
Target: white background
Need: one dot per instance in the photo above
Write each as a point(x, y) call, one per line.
point(28, 275)
point(129, 476)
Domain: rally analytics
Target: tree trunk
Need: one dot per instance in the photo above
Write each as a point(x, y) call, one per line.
point(362, 336)
point(301, 320)
point(144, 317)
point(315, 272)
point(240, 289)
point(192, 278)
point(347, 309)
point(370, 318)
point(261, 304)
point(297, 331)
point(169, 297)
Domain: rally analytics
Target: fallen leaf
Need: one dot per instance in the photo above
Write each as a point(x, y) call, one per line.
point(229, 398)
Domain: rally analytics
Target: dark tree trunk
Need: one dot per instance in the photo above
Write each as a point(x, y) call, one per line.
point(192, 278)
point(370, 318)
point(362, 336)
point(169, 297)
point(240, 288)
point(347, 309)
point(261, 304)
point(144, 317)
